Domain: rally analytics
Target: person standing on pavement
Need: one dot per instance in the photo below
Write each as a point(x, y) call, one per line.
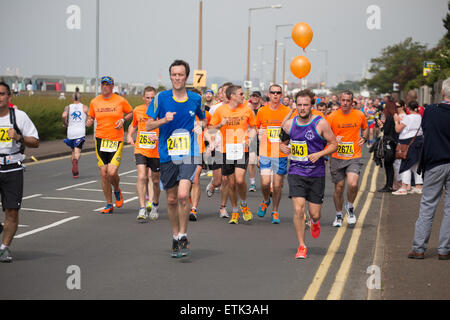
point(111, 112)
point(346, 163)
point(255, 103)
point(435, 166)
point(309, 135)
point(174, 113)
point(74, 118)
point(18, 132)
point(147, 159)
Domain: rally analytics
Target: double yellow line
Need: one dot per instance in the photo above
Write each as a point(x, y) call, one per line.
point(344, 270)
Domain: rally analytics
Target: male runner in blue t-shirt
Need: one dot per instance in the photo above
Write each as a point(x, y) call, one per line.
point(173, 112)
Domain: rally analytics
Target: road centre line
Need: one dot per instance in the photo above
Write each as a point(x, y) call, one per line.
point(100, 190)
point(22, 235)
point(71, 199)
point(344, 270)
point(322, 271)
point(76, 185)
point(41, 210)
point(125, 201)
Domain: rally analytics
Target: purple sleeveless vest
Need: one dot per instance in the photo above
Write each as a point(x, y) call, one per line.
point(304, 141)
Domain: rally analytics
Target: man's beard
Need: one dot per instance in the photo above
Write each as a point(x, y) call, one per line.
point(305, 117)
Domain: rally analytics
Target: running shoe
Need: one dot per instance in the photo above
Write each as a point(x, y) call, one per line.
point(193, 215)
point(414, 190)
point(185, 247)
point(108, 209)
point(275, 218)
point(262, 209)
point(223, 212)
point(209, 190)
point(337, 221)
point(247, 215)
point(301, 252)
point(176, 253)
point(148, 205)
point(154, 214)
point(142, 215)
point(234, 218)
point(119, 198)
point(351, 216)
point(252, 188)
point(5, 255)
point(315, 229)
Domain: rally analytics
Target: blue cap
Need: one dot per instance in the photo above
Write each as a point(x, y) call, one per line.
point(107, 79)
point(210, 91)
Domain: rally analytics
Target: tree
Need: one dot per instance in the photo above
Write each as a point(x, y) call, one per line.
point(354, 86)
point(399, 63)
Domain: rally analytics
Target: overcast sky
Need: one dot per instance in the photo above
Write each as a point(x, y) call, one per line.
point(140, 38)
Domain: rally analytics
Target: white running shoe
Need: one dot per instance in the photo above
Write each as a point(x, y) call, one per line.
point(209, 190)
point(142, 215)
point(351, 216)
point(337, 221)
point(223, 213)
point(154, 215)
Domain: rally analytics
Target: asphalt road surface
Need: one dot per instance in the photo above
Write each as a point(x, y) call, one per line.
point(65, 249)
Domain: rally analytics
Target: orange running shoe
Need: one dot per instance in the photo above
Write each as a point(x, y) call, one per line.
point(247, 215)
point(108, 209)
point(301, 253)
point(234, 218)
point(119, 198)
point(315, 229)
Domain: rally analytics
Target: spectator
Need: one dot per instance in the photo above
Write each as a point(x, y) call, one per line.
point(397, 178)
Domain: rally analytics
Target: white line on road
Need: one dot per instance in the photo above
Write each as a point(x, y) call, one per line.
point(76, 185)
point(71, 199)
point(32, 196)
point(41, 210)
point(100, 190)
point(125, 201)
point(124, 173)
point(128, 183)
point(22, 235)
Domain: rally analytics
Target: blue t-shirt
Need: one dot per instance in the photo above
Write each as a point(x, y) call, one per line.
point(177, 141)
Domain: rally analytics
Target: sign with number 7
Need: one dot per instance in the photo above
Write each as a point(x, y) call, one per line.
point(199, 78)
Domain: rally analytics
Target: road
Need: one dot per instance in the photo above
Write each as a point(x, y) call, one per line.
point(62, 235)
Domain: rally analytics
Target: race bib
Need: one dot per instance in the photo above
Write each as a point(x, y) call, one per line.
point(5, 140)
point(179, 144)
point(299, 151)
point(235, 151)
point(346, 149)
point(109, 146)
point(144, 140)
point(273, 134)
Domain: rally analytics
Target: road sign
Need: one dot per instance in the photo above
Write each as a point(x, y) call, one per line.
point(247, 84)
point(428, 67)
point(199, 78)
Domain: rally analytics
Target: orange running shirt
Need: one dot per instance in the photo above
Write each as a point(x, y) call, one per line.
point(239, 120)
point(201, 138)
point(107, 112)
point(349, 127)
point(143, 145)
point(270, 120)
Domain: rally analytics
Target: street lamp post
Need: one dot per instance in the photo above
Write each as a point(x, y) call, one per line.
point(261, 47)
point(274, 78)
point(200, 37)
point(274, 6)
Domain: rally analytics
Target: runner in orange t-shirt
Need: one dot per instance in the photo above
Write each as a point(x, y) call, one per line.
point(346, 162)
point(236, 122)
point(111, 111)
point(272, 162)
point(147, 159)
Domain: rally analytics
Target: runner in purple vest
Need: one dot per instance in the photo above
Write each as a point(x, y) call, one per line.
point(309, 135)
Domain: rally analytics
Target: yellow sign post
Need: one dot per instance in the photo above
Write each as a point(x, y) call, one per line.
point(199, 78)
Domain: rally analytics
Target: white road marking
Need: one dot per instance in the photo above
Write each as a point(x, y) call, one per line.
point(124, 173)
point(125, 201)
point(100, 190)
point(32, 196)
point(41, 210)
point(71, 199)
point(128, 183)
point(75, 185)
point(22, 235)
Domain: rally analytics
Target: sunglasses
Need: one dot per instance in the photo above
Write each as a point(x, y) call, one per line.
point(275, 92)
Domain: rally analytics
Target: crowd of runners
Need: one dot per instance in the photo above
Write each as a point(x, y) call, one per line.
point(178, 133)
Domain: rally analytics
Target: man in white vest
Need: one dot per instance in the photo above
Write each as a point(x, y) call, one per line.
point(74, 118)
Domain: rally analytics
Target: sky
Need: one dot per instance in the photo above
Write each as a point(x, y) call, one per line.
point(139, 39)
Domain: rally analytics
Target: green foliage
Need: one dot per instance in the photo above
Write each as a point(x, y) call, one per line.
point(354, 86)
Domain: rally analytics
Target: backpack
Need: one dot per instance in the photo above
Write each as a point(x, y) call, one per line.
point(12, 119)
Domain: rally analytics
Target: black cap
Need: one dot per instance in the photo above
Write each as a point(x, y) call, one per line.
point(256, 93)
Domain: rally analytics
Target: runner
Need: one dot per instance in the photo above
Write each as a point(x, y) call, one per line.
point(309, 135)
point(17, 131)
point(272, 162)
point(111, 111)
point(195, 191)
point(370, 111)
point(173, 112)
point(255, 104)
point(147, 159)
point(346, 163)
point(236, 122)
point(74, 118)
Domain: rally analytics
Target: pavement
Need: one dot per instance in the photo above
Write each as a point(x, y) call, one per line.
point(401, 278)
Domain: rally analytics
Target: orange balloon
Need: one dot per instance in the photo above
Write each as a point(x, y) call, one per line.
point(302, 34)
point(300, 66)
